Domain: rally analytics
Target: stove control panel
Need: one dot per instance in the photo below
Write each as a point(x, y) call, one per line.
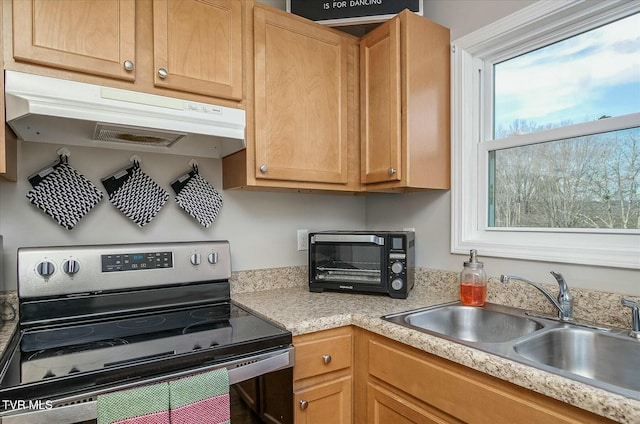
point(136, 261)
point(76, 270)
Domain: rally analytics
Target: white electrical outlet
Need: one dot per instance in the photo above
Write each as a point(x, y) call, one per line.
point(303, 240)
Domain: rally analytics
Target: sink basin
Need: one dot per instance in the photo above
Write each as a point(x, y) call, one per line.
point(469, 323)
point(599, 356)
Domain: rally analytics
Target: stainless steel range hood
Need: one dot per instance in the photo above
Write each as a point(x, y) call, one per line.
point(51, 110)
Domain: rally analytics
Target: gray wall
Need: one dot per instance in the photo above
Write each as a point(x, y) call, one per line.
point(261, 227)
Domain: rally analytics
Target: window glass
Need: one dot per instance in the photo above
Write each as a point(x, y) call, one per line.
point(582, 182)
point(592, 181)
point(587, 77)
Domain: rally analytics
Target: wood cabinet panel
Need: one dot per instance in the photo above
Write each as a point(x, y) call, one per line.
point(386, 407)
point(463, 393)
point(198, 43)
point(89, 36)
point(324, 403)
point(322, 356)
point(380, 109)
point(323, 388)
point(300, 100)
point(8, 141)
point(404, 77)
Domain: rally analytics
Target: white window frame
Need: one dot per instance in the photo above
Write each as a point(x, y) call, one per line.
point(472, 57)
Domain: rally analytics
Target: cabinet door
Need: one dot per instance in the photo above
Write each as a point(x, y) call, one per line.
point(198, 46)
point(300, 99)
point(8, 141)
point(95, 37)
point(387, 407)
point(324, 403)
point(381, 104)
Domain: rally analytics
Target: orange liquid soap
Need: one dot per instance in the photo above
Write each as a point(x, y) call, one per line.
point(473, 294)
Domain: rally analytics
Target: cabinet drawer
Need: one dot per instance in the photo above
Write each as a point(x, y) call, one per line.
point(320, 356)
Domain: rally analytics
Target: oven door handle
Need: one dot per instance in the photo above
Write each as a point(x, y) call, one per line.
point(239, 370)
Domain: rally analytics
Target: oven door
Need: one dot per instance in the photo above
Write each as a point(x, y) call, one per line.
point(354, 262)
point(271, 373)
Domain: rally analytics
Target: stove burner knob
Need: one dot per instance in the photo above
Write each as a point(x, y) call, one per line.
point(71, 267)
point(74, 370)
point(195, 259)
point(45, 269)
point(213, 258)
point(49, 374)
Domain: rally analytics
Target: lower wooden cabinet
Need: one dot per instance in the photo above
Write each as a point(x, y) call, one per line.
point(384, 406)
point(324, 403)
point(322, 377)
point(349, 374)
point(395, 383)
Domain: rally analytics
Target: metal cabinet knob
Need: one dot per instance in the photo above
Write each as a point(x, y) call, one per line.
point(263, 168)
point(326, 359)
point(392, 171)
point(162, 73)
point(304, 404)
point(128, 65)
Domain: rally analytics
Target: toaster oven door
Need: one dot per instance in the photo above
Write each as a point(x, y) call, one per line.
point(348, 261)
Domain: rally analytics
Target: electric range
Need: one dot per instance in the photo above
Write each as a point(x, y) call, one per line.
point(95, 319)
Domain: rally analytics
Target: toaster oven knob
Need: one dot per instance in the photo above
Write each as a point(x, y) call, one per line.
point(213, 258)
point(397, 284)
point(45, 269)
point(397, 267)
point(195, 259)
point(71, 267)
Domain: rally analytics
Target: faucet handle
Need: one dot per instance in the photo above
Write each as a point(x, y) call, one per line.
point(635, 315)
point(564, 287)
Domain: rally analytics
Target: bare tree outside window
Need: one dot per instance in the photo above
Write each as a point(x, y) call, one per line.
point(584, 182)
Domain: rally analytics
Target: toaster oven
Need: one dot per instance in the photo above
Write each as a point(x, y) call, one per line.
point(379, 262)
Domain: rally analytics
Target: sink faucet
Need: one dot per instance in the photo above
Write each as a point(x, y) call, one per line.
point(564, 304)
point(635, 316)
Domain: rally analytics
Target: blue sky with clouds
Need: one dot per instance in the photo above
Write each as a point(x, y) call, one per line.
point(579, 79)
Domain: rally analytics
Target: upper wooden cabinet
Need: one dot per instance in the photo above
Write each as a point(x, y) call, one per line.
point(96, 37)
point(302, 109)
point(404, 78)
point(194, 46)
point(300, 100)
point(8, 141)
point(198, 46)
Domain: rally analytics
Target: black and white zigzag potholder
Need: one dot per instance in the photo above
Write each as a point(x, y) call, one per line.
point(63, 194)
point(198, 198)
point(135, 194)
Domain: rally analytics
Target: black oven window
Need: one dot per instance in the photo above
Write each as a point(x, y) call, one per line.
point(349, 263)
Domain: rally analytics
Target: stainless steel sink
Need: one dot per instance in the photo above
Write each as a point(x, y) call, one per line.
point(603, 357)
point(472, 324)
point(613, 359)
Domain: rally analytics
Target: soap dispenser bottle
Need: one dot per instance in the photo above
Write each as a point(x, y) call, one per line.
point(473, 282)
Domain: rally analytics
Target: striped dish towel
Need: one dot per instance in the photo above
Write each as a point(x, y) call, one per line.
point(201, 399)
point(142, 405)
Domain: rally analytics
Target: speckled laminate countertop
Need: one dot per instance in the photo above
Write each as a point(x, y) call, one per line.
point(300, 311)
